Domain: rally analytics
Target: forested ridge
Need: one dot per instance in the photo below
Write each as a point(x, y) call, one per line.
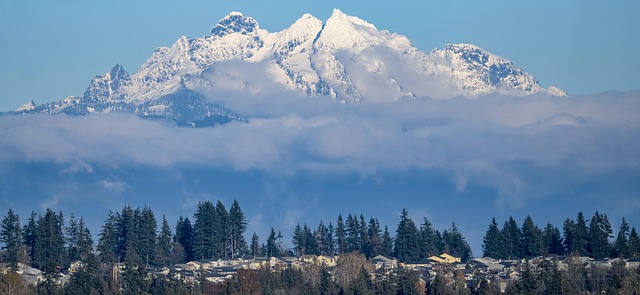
point(136, 244)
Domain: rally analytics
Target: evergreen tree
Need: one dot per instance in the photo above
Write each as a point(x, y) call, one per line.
point(237, 227)
point(353, 234)
point(298, 241)
point(164, 244)
point(600, 232)
point(11, 237)
point(146, 228)
point(580, 236)
point(331, 245)
point(84, 242)
point(49, 249)
point(553, 240)
point(322, 240)
point(184, 237)
point(222, 235)
point(511, 237)
point(204, 231)
point(387, 243)
point(363, 232)
point(272, 247)
point(108, 239)
point(492, 241)
point(29, 233)
point(429, 240)
point(634, 243)
point(407, 242)
point(374, 238)
point(532, 240)
point(621, 246)
point(255, 245)
point(341, 236)
point(455, 244)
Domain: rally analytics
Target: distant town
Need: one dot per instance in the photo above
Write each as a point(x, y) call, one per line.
point(51, 255)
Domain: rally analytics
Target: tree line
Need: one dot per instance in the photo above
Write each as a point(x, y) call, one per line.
point(577, 238)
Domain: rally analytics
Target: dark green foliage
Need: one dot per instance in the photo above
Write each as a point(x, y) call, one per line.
point(599, 233)
point(576, 236)
point(273, 248)
point(164, 245)
point(255, 246)
point(237, 227)
point(634, 243)
point(407, 282)
point(29, 233)
point(374, 234)
point(11, 237)
point(532, 241)
point(492, 241)
point(621, 246)
point(511, 238)
point(184, 237)
point(387, 243)
point(49, 253)
point(553, 240)
point(407, 241)
point(341, 236)
point(108, 241)
point(204, 231)
point(429, 240)
point(455, 244)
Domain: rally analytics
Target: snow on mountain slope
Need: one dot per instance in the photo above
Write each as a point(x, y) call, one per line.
point(346, 58)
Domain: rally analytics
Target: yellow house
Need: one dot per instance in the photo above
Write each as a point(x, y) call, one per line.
point(445, 258)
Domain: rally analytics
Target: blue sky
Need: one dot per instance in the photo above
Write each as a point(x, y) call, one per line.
point(456, 160)
point(52, 49)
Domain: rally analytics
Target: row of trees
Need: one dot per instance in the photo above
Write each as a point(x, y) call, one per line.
point(356, 234)
point(594, 240)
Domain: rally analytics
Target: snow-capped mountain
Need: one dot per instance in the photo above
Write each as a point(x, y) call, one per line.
point(345, 58)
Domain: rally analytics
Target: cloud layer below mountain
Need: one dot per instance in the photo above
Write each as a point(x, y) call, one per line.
point(485, 141)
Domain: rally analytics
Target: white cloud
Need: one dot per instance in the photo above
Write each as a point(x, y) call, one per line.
point(485, 141)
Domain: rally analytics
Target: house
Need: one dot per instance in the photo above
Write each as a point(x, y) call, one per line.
point(445, 258)
point(633, 263)
point(383, 263)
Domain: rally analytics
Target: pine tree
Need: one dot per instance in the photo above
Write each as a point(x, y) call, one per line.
point(580, 236)
point(455, 244)
point(29, 233)
point(553, 240)
point(49, 250)
point(108, 239)
point(341, 236)
point(255, 245)
point(11, 237)
point(374, 238)
point(353, 234)
point(363, 232)
point(184, 237)
point(387, 243)
point(222, 236)
point(204, 231)
point(621, 246)
point(428, 240)
point(84, 245)
point(492, 241)
point(407, 242)
point(146, 228)
point(599, 233)
point(298, 241)
point(272, 247)
point(634, 243)
point(164, 244)
point(237, 227)
point(511, 237)
point(532, 240)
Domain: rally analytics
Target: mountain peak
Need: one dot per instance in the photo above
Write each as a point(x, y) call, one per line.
point(235, 22)
point(27, 107)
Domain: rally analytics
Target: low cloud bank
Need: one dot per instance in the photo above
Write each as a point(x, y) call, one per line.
point(501, 142)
